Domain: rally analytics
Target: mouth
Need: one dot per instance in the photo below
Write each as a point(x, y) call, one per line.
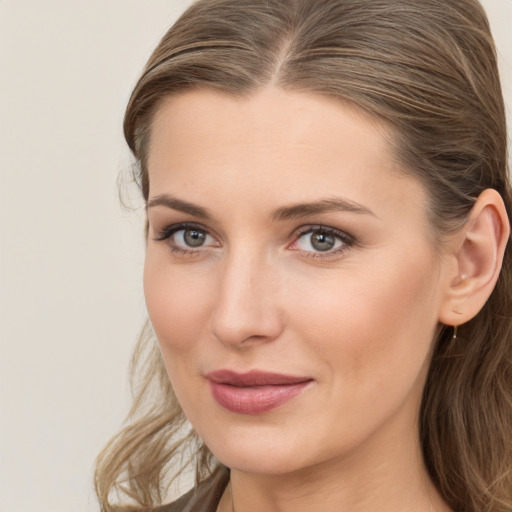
point(255, 392)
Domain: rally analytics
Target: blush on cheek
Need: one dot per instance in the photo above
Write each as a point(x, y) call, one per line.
point(174, 328)
point(177, 304)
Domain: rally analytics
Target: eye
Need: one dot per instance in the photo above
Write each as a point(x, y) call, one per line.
point(190, 237)
point(318, 241)
point(186, 238)
point(322, 240)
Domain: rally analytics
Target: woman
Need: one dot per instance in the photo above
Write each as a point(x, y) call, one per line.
point(326, 269)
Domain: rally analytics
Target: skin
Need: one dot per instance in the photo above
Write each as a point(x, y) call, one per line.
point(358, 320)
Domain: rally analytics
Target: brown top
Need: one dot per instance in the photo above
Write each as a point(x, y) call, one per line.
point(203, 498)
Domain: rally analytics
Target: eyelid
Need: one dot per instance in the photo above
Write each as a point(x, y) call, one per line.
point(170, 229)
point(346, 237)
point(165, 235)
point(347, 240)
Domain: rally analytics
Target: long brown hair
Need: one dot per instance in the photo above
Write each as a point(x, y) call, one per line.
point(427, 68)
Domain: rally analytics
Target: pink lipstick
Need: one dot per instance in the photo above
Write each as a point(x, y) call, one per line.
point(254, 392)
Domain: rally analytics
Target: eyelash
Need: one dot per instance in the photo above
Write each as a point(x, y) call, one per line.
point(347, 241)
point(166, 234)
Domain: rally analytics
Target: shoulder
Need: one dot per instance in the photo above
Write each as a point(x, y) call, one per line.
point(204, 497)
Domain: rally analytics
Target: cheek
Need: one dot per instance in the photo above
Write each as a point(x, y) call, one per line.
point(177, 301)
point(374, 328)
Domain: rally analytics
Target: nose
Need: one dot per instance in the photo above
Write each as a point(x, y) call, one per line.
point(246, 310)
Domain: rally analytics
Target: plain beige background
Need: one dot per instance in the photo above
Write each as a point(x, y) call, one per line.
point(70, 260)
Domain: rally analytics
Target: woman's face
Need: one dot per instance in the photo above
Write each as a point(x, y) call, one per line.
point(290, 278)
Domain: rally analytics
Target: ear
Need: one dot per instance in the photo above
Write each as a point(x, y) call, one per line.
point(478, 254)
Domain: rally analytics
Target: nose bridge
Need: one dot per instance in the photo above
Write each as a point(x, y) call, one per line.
point(246, 304)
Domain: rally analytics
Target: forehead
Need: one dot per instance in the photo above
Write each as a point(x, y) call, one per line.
point(270, 117)
point(283, 146)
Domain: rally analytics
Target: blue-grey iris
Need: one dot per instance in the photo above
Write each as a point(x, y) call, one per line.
point(322, 241)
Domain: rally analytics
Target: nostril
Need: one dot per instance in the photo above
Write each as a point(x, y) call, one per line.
point(243, 328)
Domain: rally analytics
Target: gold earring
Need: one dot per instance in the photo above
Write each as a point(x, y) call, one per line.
point(454, 337)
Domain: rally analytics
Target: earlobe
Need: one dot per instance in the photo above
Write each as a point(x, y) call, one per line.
point(478, 256)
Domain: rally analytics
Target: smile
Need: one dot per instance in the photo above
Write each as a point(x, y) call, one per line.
point(254, 392)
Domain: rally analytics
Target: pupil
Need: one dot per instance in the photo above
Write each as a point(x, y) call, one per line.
point(322, 241)
point(194, 238)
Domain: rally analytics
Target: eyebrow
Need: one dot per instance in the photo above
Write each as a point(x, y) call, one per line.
point(180, 205)
point(295, 211)
point(331, 204)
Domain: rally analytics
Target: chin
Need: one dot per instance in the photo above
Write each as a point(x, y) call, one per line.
point(267, 451)
point(257, 451)
point(261, 462)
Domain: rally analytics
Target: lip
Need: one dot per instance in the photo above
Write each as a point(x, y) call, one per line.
point(254, 392)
